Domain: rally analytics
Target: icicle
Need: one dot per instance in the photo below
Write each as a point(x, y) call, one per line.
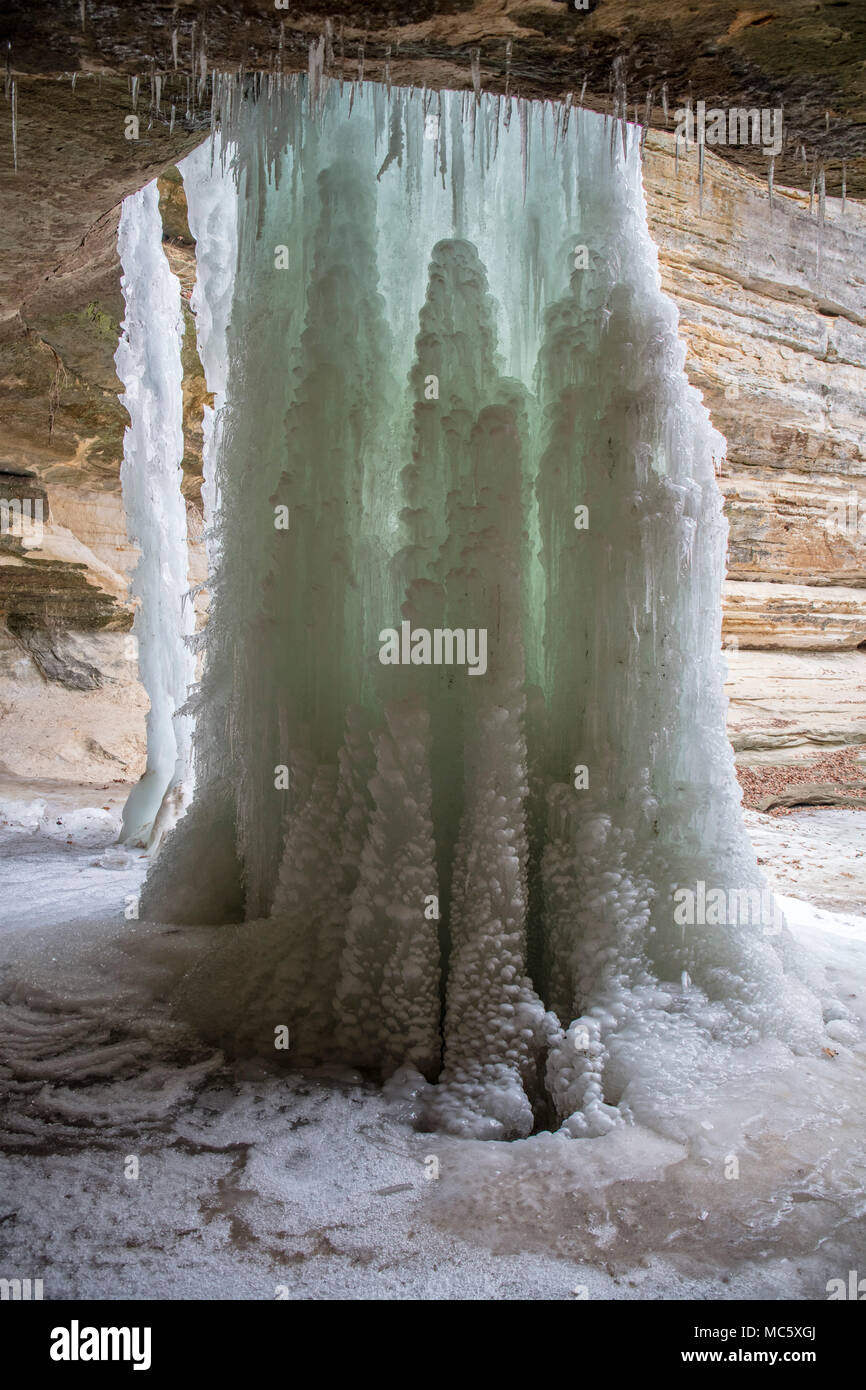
point(395, 142)
point(770, 172)
point(475, 69)
point(844, 186)
point(472, 120)
point(647, 119)
point(701, 149)
point(149, 364)
point(560, 115)
point(135, 82)
point(14, 126)
point(442, 144)
point(665, 102)
point(566, 115)
point(315, 73)
point(822, 212)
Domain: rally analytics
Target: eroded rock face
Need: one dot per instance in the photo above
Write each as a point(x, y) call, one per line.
point(787, 706)
point(771, 310)
point(53, 732)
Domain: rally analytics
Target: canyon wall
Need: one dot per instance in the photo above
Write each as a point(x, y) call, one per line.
point(772, 299)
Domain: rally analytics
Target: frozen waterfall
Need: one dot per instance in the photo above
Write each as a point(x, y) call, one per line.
point(460, 735)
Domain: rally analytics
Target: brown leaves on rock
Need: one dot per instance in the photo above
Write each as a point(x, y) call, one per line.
point(843, 771)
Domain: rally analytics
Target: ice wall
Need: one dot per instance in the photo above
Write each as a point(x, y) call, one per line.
point(455, 403)
point(149, 365)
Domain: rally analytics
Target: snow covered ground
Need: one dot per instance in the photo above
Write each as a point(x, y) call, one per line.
point(255, 1182)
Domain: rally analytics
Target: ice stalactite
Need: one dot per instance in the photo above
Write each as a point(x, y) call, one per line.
point(462, 716)
point(148, 362)
point(213, 216)
point(212, 203)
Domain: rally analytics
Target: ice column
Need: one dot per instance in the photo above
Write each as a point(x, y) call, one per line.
point(148, 362)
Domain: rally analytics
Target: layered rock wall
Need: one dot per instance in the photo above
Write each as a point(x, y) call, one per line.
point(772, 303)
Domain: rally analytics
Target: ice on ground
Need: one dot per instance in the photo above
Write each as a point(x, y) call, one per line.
point(258, 1181)
point(819, 853)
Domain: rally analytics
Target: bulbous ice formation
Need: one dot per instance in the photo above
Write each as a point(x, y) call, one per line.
point(462, 715)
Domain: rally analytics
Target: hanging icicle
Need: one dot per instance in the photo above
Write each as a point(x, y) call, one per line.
point(475, 68)
point(14, 91)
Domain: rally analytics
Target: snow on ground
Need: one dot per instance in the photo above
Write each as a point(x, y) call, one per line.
point(255, 1182)
point(817, 853)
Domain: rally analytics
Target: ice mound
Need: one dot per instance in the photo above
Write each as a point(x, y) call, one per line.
point(87, 826)
point(22, 815)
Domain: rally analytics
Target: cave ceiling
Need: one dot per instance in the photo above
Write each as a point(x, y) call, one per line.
point(70, 79)
point(74, 162)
